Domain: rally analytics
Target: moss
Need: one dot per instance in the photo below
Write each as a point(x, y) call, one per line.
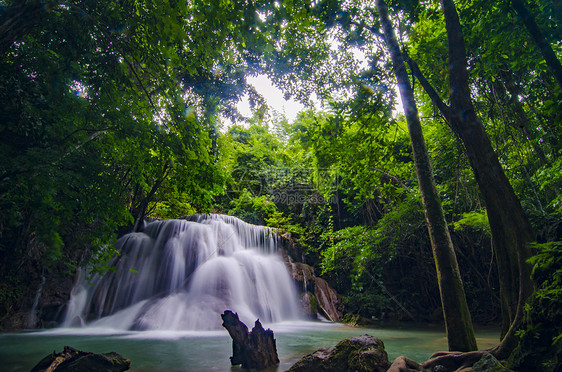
point(313, 303)
point(357, 320)
point(488, 364)
point(351, 319)
point(363, 353)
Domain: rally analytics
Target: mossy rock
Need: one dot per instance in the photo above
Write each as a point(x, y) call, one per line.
point(73, 360)
point(489, 364)
point(362, 353)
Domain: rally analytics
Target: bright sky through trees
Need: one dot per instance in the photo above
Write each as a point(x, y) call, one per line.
point(274, 97)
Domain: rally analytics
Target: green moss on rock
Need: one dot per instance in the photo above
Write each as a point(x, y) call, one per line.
point(362, 353)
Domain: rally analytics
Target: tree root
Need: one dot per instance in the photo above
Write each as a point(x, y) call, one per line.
point(454, 361)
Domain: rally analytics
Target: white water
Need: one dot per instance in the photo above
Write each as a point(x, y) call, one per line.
point(32, 318)
point(182, 274)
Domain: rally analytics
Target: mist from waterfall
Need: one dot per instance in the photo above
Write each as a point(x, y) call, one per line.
point(182, 274)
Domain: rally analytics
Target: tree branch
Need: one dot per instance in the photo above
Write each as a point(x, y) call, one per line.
point(393, 177)
point(546, 50)
point(429, 89)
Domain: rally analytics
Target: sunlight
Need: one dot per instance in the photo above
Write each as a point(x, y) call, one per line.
point(274, 98)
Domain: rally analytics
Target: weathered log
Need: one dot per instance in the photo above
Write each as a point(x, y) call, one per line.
point(254, 350)
point(72, 360)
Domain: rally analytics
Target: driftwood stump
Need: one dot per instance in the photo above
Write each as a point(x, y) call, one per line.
point(253, 350)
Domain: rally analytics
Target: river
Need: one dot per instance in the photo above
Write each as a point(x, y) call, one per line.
point(198, 351)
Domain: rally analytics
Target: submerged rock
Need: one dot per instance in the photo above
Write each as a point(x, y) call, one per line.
point(357, 354)
point(72, 360)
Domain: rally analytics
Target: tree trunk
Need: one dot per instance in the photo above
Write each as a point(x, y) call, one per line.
point(538, 37)
point(511, 231)
point(254, 350)
point(458, 323)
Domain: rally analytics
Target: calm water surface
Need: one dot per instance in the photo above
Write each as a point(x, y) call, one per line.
point(209, 351)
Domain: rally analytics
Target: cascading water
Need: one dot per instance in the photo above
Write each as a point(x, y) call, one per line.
point(182, 274)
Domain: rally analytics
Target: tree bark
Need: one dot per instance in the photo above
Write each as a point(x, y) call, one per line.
point(511, 231)
point(538, 37)
point(458, 323)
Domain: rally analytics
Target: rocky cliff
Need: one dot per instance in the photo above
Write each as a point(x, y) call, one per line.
point(316, 295)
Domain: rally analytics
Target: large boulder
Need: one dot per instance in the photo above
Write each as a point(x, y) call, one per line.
point(72, 360)
point(357, 354)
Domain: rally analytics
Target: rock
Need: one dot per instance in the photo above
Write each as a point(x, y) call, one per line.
point(72, 360)
point(357, 354)
point(303, 274)
point(316, 294)
point(488, 363)
point(328, 299)
point(254, 350)
point(291, 248)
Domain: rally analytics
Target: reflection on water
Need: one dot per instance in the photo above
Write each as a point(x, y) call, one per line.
point(196, 351)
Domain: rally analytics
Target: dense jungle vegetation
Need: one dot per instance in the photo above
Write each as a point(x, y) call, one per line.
point(119, 110)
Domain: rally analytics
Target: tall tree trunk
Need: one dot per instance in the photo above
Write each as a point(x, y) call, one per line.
point(511, 231)
point(458, 323)
point(538, 37)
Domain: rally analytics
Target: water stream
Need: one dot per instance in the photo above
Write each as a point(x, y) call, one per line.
point(32, 319)
point(199, 351)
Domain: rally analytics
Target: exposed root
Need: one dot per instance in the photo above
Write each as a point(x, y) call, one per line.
point(403, 364)
point(454, 361)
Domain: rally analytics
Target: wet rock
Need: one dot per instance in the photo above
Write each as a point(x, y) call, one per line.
point(309, 305)
point(303, 274)
point(73, 360)
point(315, 293)
point(328, 300)
point(357, 354)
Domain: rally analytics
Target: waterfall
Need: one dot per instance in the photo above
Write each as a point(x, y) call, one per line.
point(182, 274)
point(32, 318)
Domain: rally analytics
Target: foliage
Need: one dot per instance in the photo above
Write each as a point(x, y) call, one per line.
point(252, 209)
point(354, 259)
point(541, 334)
point(475, 219)
point(549, 180)
point(111, 112)
point(107, 120)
